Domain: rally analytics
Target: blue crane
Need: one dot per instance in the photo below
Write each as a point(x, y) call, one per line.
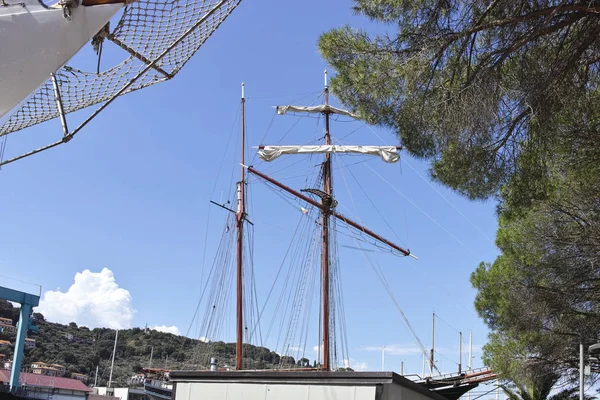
point(27, 301)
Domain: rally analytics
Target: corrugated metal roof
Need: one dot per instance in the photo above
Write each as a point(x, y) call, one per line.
point(46, 381)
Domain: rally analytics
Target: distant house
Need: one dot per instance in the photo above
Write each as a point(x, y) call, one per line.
point(74, 339)
point(29, 342)
point(61, 370)
point(4, 343)
point(79, 377)
point(41, 368)
point(8, 328)
point(2, 356)
point(5, 321)
point(7, 365)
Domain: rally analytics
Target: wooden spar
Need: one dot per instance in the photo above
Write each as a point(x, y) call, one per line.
point(369, 232)
point(262, 147)
point(241, 215)
point(325, 213)
point(313, 203)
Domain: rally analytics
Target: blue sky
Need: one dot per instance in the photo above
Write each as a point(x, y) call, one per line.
point(131, 193)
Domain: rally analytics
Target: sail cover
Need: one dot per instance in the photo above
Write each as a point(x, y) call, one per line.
point(315, 109)
point(388, 154)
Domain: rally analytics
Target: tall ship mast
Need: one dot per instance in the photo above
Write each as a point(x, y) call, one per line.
point(327, 203)
point(322, 200)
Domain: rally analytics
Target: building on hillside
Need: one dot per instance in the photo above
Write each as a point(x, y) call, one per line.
point(49, 387)
point(8, 328)
point(7, 364)
point(5, 321)
point(60, 369)
point(38, 364)
point(79, 377)
point(2, 357)
point(48, 371)
point(41, 368)
point(30, 343)
point(4, 343)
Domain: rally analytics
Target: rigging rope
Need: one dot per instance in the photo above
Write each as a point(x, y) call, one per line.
point(420, 209)
point(437, 191)
point(380, 275)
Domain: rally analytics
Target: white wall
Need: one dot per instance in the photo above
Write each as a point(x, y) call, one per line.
point(62, 396)
point(122, 393)
point(246, 391)
point(395, 392)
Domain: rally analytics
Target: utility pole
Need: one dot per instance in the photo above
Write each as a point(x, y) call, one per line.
point(431, 357)
point(470, 358)
point(460, 353)
point(112, 363)
point(581, 365)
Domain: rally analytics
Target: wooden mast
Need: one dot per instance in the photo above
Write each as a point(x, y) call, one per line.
point(327, 208)
point(241, 215)
point(326, 212)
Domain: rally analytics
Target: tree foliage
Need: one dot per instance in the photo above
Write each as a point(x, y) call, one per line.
point(488, 91)
point(540, 389)
point(542, 295)
point(81, 349)
point(501, 96)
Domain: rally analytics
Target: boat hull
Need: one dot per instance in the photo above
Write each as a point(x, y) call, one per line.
point(36, 41)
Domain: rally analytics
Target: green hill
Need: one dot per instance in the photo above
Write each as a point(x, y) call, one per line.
point(81, 349)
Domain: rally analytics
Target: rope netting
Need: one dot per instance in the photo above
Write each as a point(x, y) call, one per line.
point(160, 37)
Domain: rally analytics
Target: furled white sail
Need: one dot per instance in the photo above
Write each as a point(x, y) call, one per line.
point(387, 153)
point(315, 109)
point(36, 41)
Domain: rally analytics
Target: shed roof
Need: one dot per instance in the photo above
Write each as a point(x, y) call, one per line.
point(46, 381)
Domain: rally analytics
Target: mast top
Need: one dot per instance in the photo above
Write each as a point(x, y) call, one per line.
point(325, 77)
point(242, 90)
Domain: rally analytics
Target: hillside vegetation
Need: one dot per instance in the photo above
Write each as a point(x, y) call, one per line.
point(81, 349)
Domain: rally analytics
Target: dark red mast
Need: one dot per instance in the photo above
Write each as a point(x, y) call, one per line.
point(326, 212)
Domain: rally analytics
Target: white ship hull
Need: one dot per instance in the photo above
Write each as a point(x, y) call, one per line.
point(36, 41)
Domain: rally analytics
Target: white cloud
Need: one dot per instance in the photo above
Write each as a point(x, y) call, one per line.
point(395, 349)
point(167, 329)
point(93, 300)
